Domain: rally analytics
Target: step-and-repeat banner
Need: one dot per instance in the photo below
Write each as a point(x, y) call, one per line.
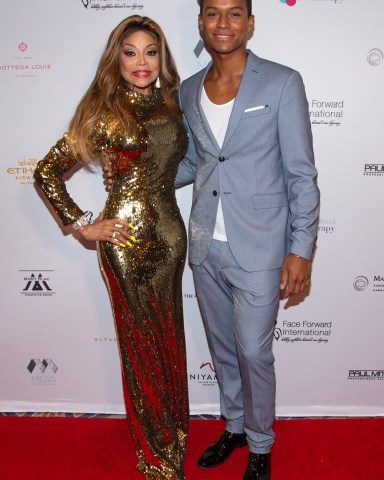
point(58, 348)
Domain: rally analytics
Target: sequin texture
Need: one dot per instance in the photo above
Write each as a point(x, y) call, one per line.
point(144, 281)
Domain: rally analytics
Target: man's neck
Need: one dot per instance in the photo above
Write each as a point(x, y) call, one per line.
point(228, 65)
point(224, 77)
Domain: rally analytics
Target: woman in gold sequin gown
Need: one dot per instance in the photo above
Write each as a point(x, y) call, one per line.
point(136, 129)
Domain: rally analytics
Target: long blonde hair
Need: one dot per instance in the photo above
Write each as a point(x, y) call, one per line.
point(101, 94)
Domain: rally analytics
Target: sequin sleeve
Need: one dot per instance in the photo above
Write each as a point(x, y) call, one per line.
point(49, 177)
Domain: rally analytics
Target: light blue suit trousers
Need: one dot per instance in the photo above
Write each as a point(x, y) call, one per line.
point(239, 310)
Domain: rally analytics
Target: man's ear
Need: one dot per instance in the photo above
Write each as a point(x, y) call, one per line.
point(251, 26)
point(200, 24)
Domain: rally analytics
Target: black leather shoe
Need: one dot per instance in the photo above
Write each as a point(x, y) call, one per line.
point(259, 467)
point(221, 450)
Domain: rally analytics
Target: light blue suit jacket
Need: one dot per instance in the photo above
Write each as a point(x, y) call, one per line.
point(264, 173)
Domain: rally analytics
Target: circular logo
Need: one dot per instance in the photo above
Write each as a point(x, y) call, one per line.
point(290, 3)
point(23, 47)
point(360, 283)
point(375, 57)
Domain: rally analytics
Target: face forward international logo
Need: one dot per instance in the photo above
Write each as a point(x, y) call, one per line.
point(102, 5)
point(290, 3)
point(303, 331)
point(42, 371)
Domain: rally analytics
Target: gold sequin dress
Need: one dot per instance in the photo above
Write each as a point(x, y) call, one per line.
point(144, 281)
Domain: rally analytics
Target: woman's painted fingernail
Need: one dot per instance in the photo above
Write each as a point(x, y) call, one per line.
point(131, 226)
point(133, 239)
point(122, 245)
point(129, 244)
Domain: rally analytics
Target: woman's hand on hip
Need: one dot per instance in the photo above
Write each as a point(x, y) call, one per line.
point(113, 230)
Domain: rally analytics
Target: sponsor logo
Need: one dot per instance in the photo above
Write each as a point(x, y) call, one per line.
point(305, 331)
point(206, 376)
point(37, 284)
point(334, 2)
point(23, 65)
point(374, 169)
point(378, 283)
point(42, 371)
point(366, 375)
point(290, 3)
point(209, 365)
point(189, 295)
point(23, 47)
point(375, 283)
point(199, 48)
point(42, 365)
point(203, 58)
point(326, 112)
point(375, 57)
point(104, 339)
point(327, 226)
point(360, 283)
point(23, 172)
point(102, 5)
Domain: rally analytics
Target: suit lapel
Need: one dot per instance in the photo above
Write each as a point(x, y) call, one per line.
point(247, 87)
point(200, 113)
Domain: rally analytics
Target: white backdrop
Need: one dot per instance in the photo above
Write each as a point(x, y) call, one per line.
point(58, 348)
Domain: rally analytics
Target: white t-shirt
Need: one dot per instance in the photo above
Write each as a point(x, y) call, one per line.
point(218, 119)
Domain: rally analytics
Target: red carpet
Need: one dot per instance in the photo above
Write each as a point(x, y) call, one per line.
point(58, 448)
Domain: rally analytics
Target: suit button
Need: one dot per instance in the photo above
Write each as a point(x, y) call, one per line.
point(214, 193)
point(221, 159)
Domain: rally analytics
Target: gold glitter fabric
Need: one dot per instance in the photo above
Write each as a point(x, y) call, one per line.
point(144, 281)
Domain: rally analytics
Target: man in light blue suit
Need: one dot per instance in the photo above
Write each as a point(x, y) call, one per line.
point(254, 218)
